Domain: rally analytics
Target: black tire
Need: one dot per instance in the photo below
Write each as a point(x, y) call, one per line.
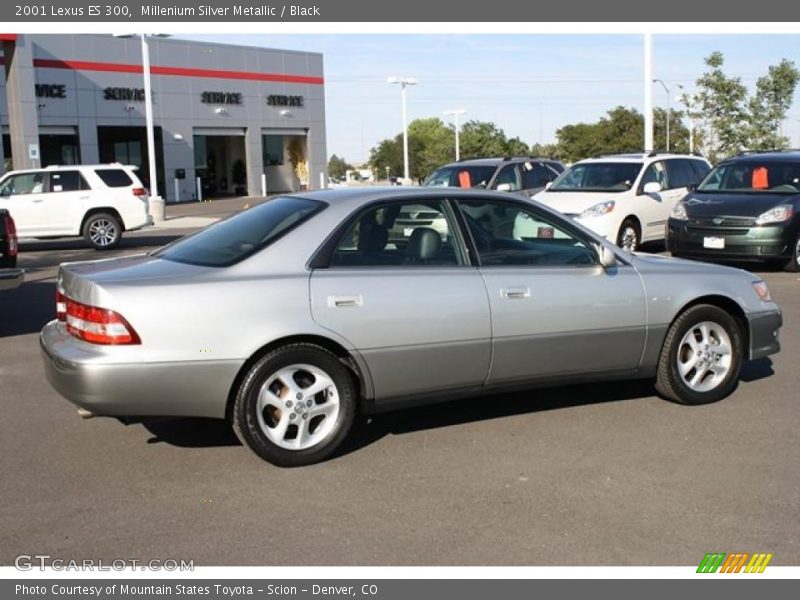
point(629, 226)
point(669, 382)
point(245, 419)
point(102, 231)
point(794, 263)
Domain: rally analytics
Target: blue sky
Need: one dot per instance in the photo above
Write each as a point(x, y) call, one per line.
point(530, 85)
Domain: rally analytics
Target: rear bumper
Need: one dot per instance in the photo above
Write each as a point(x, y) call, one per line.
point(85, 377)
point(748, 243)
point(11, 278)
point(764, 328)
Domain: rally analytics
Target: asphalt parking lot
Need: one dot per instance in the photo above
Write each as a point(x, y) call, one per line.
point(605, 474)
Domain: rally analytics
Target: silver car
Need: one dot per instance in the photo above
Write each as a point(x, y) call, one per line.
point(294, 317)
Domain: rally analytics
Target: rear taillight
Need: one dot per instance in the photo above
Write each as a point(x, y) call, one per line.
point(61, 306)
point(94, 325)
point(11, 236)
point(139, 192)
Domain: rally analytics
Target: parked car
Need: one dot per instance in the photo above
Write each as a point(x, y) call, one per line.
point(10, 275)
point(626, 198)
point(525, 175)
point(294, 316)
point(748, 207)
point(98, 202)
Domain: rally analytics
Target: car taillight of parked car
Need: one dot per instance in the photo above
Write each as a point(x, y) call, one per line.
point(11, 248)
point(94, 325)
point(139, 191)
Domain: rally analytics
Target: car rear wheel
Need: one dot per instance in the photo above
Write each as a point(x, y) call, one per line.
point(701, 357)
point(103, 231)
point(629, 235)
point(295, 406)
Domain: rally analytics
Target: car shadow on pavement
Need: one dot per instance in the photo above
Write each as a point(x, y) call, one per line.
point(186, 432)
point(27, 308)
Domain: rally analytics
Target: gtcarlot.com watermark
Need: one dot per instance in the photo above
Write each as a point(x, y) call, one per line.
point(45, 562)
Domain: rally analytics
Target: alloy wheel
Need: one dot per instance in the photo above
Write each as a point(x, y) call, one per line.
point(704, 356)
point(102, 232)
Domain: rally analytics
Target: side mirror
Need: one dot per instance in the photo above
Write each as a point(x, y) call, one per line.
point(608, 259)
point(503, 187)
point(691, 187)
point(651, 187)
point(547, 185)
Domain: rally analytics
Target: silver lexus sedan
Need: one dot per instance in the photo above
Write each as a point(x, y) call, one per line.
point(293, 317)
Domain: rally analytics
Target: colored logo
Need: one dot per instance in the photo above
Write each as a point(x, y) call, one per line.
point(735, 562)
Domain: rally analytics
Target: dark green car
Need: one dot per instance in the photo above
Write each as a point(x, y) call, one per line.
point(747, 208)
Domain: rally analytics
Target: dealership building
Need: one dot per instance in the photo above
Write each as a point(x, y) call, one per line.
point(232, 116)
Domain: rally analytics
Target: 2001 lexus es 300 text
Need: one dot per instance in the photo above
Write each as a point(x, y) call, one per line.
point(291, 318)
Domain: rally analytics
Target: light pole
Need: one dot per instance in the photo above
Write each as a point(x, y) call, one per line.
point(155, 203)
point(455, 114)
point(403, 82)
point(666, 89)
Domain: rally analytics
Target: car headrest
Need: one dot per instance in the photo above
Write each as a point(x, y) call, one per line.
point(372, 238)
point(424, 243)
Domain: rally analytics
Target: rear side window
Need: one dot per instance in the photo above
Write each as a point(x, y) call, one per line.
point(67, 181)
point(114, 178)
point(242, 235)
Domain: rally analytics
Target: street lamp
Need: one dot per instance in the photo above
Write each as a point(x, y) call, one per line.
point(156, 203)
point(455, 114)
point(666, 89)
point(403, 82)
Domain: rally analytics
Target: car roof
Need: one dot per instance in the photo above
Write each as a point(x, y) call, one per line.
point(71, 168)
point(493, 161)
point(353, 197)
point(638, 157)
point(768, 156)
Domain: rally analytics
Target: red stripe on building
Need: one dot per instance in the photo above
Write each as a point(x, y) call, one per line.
point(84, 65)
point(8, 37)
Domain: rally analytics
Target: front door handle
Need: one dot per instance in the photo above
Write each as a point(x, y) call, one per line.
point(515, 293)
point(37, 200)
point(345, 301)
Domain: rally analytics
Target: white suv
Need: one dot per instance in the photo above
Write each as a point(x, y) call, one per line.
point(98, 202)
point(625, 197)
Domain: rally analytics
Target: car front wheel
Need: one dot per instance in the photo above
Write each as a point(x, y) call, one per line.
point(103, 231)
point(295, 406)
point(629, 236)
point(701, 357)
point(794, 263)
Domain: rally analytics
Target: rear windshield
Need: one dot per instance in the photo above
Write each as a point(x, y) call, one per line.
point(461, 176)
point(243, 234)
point(114, 177)
point(753, 177)
point(597, 177)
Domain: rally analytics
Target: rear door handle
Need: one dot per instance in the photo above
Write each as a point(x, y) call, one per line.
point(37, 200)
point(515, 293)
point(345, 301)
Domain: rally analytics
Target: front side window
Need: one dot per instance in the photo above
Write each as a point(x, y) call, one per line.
point(656, 173)
point(508, 179)
point(508, 234)
point(753, 177)
point(67, 181)
point(242, 235)
point(400, 234)
point(597, 177)
point(535, 175)
point(23, 184)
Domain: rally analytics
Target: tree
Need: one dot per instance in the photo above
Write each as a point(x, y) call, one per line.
point(480, 138)
point(388, 154)
point(338, 167)
point(732, 119)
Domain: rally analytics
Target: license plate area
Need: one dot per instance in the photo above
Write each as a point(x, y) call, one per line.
point(715, 242)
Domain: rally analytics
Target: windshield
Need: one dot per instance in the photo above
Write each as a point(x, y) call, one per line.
point(753, 177)
point(461, 176)
point(245, 233)
point(597, 177)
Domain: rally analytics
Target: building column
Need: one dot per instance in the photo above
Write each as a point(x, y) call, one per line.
point(254, 159)
point(23, 117)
